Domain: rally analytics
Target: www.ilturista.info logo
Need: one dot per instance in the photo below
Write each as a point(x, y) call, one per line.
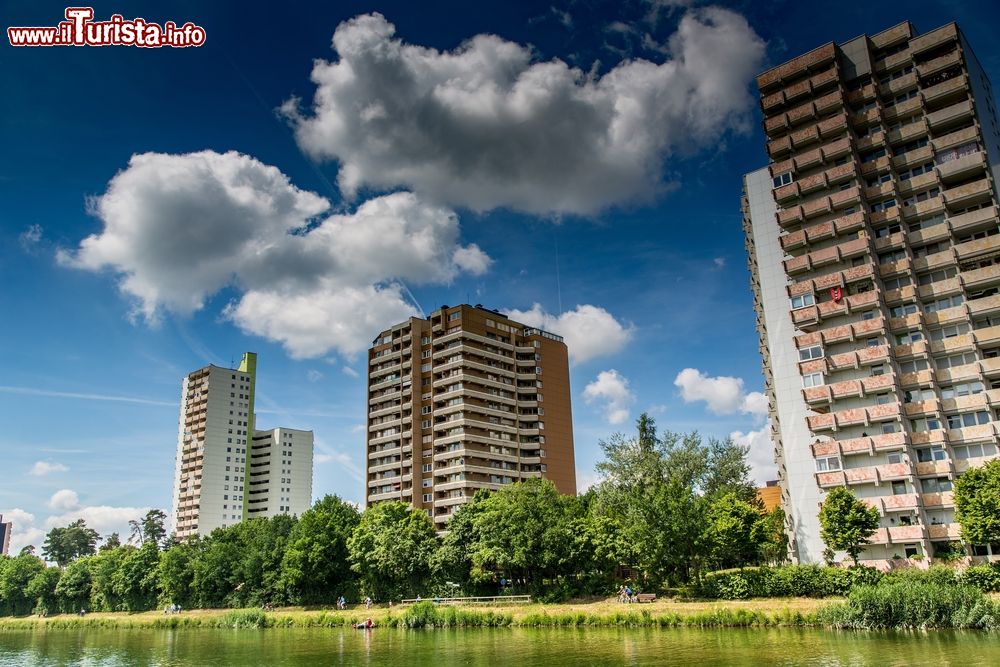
point(79, 29)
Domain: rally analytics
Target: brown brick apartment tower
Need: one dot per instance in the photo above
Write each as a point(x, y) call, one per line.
point(464, 400)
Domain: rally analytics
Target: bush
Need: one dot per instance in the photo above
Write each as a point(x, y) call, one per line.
point(814, 581)
point(244, 618)
point(985, 577)
point(912, 603)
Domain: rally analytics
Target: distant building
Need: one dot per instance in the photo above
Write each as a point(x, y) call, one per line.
point(215, 455)
point(5, 531)
point(466, 399)
point(770, 495)
point(280, 473)
point(874, 244)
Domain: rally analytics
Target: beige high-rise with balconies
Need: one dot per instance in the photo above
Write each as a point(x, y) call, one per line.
point(874, 246)
point(464, 400)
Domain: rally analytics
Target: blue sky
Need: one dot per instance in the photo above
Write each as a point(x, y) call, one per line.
point(604, 201)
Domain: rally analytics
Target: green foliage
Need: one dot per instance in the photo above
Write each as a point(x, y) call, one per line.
point(244, 618)
point(911, 603)
point(846, 523)
point(977, 503)
point(63, 545)
point(134, 581)
point(73, 589)
point(811, 581)
point(42, 589)
point(316, 564)
point(985, 577)
point(391, 550)
point(15, 576)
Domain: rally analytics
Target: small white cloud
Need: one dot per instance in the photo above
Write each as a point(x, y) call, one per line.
point(589, 331)
point(24, 531)
point(348, 371)
point(30, 238)
point(719, 262)
point(42, 468)
point(761, 455)
point(586, 479)
point(357, 428)
point(64, 500)
point(313, 375)
point(723, 395)
point(612, 391)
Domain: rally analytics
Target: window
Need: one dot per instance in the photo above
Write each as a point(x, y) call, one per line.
point(897, 283)
point(918, 395)
point(828, 463)
point(955, 360)
point(949, 331)
point(427, 483)
point(968, 419)
point(426, 410)
point(890, 427)
point(428, 497)
point(974, 451)
point(916, 171)
point(812, 380)
point(913, 366)
point(894, 458)
point(814, 352)
point(876, 370)
point(964, 389)
point(883, 232)
point(909, 338)
point(455, 316)
point(899, 487)
point(883, 399)
point(802, 301)
point(947, 302)
point(917, 225)
point(923, 425)
point(427, 467)
point(883, 205)
point(936, 485)
point(904, 310)
point(894, 256)
point(928, 454)
point(426, 423)
point(783, 179)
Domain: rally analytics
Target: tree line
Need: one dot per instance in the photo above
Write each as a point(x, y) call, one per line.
point(668, 508)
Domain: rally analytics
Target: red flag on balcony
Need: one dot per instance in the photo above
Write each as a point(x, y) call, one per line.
point(837, 293)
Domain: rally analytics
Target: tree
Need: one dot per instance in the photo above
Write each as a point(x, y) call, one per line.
point(112, 541)
point(15, 576)
point(525, 532)
point(73, 589)
point(391, 548)
point(63, 545)
point(149, 528)
point(846, 523)
point(732, 536)
point(134, 582)
point(42, 589)
point(977, 503)
point(176, 573)
point(771, 537)
point(452, 562)
point(316, 565)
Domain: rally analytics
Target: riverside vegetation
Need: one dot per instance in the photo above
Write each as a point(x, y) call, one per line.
point(672, 514)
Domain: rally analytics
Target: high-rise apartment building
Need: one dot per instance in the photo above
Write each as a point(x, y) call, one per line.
point(280, 480)
point(214, 475)
point(874, 247)
point(5, 531)
point(464, 400)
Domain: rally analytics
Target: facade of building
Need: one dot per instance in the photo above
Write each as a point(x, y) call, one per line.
point(215, 453)
point(770, 496)
point(464, 400)
point(874, 247)
point(5, 531)
point(280, 480)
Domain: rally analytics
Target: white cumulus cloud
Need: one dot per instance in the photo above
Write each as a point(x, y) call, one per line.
point(64, 500)
point(487, 125)
point(722, 395)
point(610, 389)
point(180, 228)
point(761, 455)
point(42, 468)
point(23, 529)
point(589, 331)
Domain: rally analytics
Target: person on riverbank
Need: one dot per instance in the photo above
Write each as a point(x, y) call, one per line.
point(368, 603)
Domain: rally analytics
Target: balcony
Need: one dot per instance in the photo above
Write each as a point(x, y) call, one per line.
point(934, 39)
point(972, 249)
point(854, 416)
point(899, 534)
point(938, 500)
point(968, 194)
point(944, 531)
point(950, 116)
point(940, 63)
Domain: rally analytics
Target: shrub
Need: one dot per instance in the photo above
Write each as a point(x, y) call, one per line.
point(912, 603)
point(813, 581)
point(244, 618)
point(985, 577)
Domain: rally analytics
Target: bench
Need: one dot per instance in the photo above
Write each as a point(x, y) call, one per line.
point(646, 597)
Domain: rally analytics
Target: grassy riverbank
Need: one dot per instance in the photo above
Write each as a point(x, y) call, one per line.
point(606, 613)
